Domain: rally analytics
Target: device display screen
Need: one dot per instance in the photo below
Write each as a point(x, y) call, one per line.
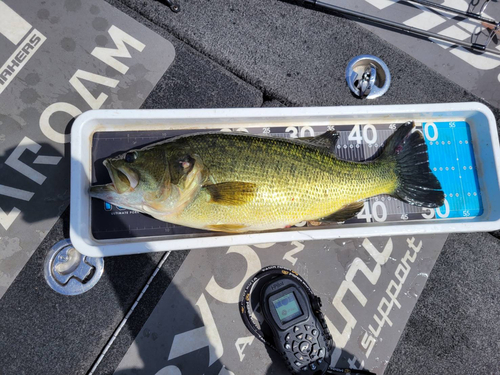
point(287, 307)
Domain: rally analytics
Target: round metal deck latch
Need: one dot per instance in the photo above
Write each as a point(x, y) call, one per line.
point(70, 273)
point(368, 77)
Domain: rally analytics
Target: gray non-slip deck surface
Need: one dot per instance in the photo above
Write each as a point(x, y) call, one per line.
point(241, 54)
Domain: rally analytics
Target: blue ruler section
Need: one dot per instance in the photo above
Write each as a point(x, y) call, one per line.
point(451, 158)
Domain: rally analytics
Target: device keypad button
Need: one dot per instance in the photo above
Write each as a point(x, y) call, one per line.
point(297, 363)
point(312, 366)
point(295, 345)
point(300, 336)
point(309, 338)
point(321, 353)
point(299, 356)
point(287, 337)
point(314, 332)
point(314, 351)
point(296, 329)
point(304, 347)
point(288, 346)
point(304, 368)
point(307, 327)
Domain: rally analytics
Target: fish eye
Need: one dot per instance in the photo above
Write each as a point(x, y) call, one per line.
point(130, 157)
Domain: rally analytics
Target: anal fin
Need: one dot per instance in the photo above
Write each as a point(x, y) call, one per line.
point(345, 213)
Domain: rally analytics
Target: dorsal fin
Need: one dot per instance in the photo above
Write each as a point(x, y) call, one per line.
point(327, 140)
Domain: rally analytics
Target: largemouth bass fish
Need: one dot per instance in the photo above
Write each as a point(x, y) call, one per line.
point(237, 182)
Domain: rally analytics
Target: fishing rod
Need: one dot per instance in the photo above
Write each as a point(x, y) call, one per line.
point(476, 16)
point(321, 5)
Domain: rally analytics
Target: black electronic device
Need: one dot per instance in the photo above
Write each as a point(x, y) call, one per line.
point(293, 314)
point(298, 334)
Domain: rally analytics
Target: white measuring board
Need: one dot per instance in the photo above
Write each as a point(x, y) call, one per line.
point(450, 154)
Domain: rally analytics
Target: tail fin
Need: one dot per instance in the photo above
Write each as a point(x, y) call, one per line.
point(417, 184)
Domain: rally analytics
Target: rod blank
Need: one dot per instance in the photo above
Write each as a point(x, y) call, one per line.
point(432, 4)
point(318, 4)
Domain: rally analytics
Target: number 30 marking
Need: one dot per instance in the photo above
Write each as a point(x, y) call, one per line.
point(303, 130)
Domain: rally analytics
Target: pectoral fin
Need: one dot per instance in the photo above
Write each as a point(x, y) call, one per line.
point(345, 213)
point(232, 193)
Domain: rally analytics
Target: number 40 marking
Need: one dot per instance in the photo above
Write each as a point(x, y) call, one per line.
point(368, 135)
point(379, 212)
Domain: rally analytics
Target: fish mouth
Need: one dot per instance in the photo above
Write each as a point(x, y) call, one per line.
point(101, 191)
point(123, 180)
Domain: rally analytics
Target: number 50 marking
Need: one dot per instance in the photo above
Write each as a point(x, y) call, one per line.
point(435, 133)
point(437, 211)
